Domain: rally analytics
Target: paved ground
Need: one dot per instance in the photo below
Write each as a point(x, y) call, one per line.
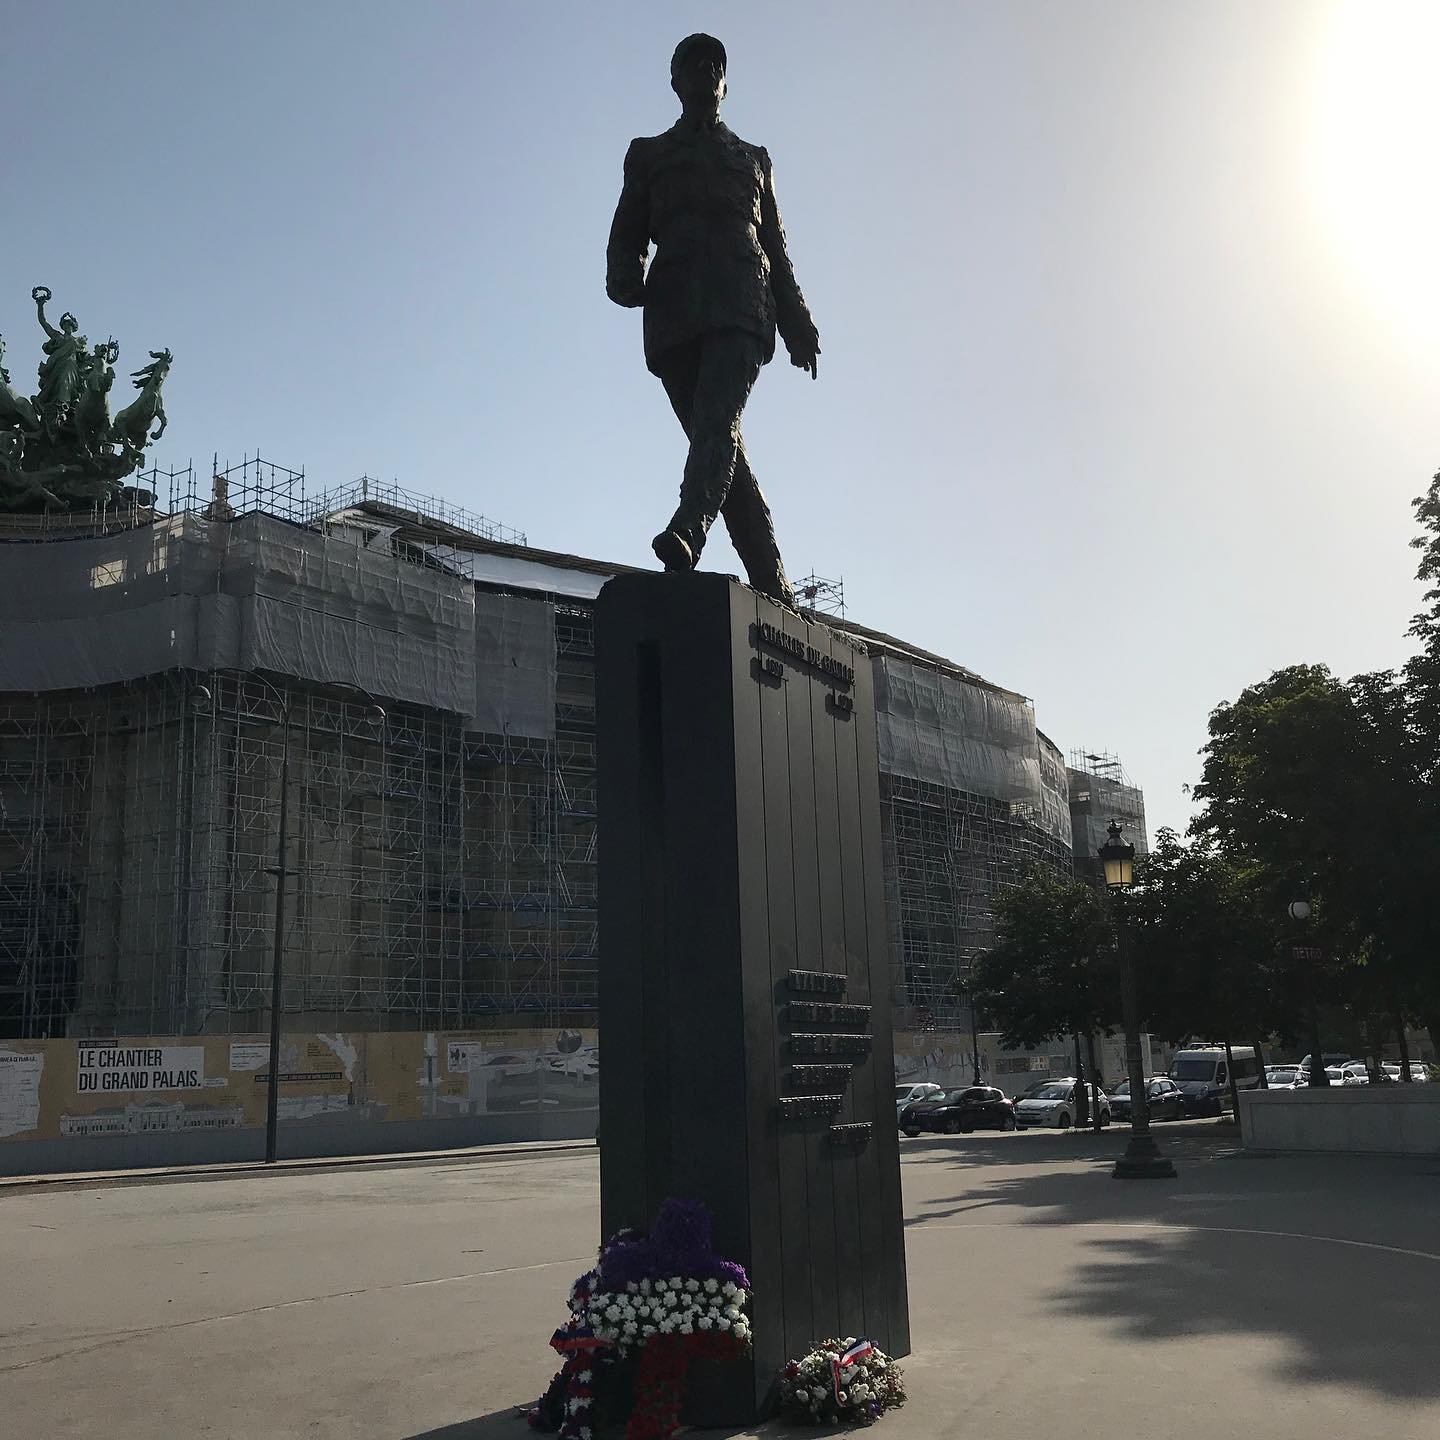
point(1255, 1298)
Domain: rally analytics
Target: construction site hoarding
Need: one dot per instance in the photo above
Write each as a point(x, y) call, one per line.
point(79, 1090)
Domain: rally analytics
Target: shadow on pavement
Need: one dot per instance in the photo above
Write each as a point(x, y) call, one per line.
point(1331, 1263)
point(494, 1426)
point(501, 1423)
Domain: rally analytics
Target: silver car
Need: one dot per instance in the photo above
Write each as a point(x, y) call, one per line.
point(1056, 1103)
point(909, 1094)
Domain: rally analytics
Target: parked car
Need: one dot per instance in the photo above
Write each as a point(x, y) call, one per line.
point(909, 1094)
point(1339, 1057)
point(1419, 1074)
point(1166, 1100)
point(975, 1107)
point(1203, 1073)
point(1282, 1077)
point(1336, 1074)
point(1057, 1102)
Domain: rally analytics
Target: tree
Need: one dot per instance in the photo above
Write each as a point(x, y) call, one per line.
point(1421, 720)
point(1207, 950)
point(1288, 766)
point(1422, 673)
point(1395, 854)
point(1211, 959)
point(1053, 968)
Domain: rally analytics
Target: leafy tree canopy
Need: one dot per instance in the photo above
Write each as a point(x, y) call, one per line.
point(1053, 969)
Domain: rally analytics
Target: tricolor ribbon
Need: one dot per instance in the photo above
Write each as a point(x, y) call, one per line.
point(856, 1350)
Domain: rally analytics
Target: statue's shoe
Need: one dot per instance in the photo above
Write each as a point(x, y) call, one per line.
point(777, 587)
point(672, 551)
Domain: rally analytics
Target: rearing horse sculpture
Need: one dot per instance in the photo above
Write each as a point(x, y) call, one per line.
point(132, 425)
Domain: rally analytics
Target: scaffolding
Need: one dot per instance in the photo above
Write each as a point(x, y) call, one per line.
point(368, 490)
point(1101, 791)
point(440, 874)
point(441, 833)
point(821, 596)
point(948, 853)
point(435, 877)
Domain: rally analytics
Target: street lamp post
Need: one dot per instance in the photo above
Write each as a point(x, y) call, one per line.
point(280, 872)
point(974, 1036)
point(1142, 1159)
point(272, 1097)
point(1310, 955)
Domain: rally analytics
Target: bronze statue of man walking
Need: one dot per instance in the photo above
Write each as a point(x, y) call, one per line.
point(720, 286)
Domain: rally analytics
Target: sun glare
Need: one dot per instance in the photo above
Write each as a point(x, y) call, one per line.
point(1372, 144)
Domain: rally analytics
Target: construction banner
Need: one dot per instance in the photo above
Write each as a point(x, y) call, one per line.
point(71, 1089)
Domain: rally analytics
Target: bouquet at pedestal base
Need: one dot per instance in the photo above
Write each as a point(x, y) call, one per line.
point(840, 1382)
point(651, 1306)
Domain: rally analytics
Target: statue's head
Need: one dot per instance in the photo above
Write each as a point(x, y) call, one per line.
point(697, 71)
point(69, 324)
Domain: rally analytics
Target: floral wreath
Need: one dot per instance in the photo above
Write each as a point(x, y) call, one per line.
point(649, 1307)
point(841, 1382)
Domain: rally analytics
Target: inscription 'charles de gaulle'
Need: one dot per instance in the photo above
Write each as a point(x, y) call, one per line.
point(805, 653)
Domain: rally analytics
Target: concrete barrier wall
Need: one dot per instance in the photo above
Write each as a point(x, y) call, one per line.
point(1347, 1119)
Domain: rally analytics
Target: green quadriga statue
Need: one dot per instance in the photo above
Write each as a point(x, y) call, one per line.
point(59, 449)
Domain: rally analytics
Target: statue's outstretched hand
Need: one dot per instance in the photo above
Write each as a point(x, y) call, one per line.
point(40, 294)
point(805, 354)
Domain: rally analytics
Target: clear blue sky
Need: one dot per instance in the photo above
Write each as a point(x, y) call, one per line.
point(1128, 311)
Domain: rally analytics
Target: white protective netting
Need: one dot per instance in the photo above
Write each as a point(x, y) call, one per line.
point(945, 730)
point(261, 593)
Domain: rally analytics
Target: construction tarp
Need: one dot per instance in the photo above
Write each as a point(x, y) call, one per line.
point(259, 593)
point(1054, 791)
point(946, 730)
point(514, 666)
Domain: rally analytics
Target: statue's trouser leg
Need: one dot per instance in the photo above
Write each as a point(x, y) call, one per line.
point(752, 532)
point(708, 386)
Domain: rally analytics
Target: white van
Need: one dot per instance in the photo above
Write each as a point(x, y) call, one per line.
point(1203, 1077)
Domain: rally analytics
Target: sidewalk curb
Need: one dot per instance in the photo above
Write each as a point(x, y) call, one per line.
point(311, 1164)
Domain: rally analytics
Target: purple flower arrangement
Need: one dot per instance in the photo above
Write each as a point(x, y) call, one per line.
point(678, 1244)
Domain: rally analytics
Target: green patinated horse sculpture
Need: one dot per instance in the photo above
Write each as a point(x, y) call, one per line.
point(132, 425)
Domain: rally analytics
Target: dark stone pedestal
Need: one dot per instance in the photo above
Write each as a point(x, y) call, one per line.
point(747, 1057)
